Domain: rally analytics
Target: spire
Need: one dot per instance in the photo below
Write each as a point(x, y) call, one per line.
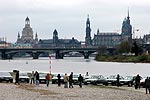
point(18, 38)
point(88, 20)
point(97, 31)
point(18, 35)
point(128, 14)
point(88, 16)
point(55, 31)
point(36, 37)
point(27, 21)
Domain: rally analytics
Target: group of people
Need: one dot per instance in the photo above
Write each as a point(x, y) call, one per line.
point(69, 79)
point(147, 83)
point(136, 80)
point(34, 78)
point(137, 83)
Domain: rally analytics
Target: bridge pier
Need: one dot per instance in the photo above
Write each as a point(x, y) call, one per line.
point(10, 56)
point(4, 56)
point(35, 54)
point(86, 54)
point(59, 55)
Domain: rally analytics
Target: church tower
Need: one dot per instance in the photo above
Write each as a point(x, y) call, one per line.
point(126, 30)
point(27, 33)
point(36, 37)
point(18, 38)
point(88, 41)
point(55, 37)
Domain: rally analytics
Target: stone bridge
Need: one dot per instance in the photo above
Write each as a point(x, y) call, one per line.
point(8, 53)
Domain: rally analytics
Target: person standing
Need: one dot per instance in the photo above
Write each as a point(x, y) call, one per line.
point(147, 85)
point(137, 81)
point(47, 77)
point(71, 80)
point(66, 79)
point(17, 77)
point(118, 80)
point(86, 75)
point(37, 78)
point(32, 78)
point(80, 80)
point(59, 79)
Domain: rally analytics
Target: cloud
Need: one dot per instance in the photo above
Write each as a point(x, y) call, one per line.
point(69, 16)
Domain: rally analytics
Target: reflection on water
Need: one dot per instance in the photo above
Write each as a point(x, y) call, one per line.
point(76, 65)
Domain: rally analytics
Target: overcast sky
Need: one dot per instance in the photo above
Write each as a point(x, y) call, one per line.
point(69, 17)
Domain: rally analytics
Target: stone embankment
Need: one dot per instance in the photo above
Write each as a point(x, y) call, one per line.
point(53, 92)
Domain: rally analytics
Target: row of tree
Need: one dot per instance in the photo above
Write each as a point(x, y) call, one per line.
point(126, 47)
point(123, 47)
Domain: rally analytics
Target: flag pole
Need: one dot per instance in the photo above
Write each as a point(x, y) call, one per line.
point(50, 57)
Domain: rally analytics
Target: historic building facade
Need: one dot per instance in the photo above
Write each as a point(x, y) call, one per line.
point(61, 43)
point(109, 39)
point(27, 35)
point(106, 39)
point(27, 40)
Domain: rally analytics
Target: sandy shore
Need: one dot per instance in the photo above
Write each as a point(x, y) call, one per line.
point(53, 92)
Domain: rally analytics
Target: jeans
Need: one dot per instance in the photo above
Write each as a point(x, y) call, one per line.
point(47, 83)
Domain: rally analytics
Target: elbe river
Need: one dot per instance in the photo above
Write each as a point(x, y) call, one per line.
point(76, 65)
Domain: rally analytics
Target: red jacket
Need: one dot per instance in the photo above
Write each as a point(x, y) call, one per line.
point(47, 77)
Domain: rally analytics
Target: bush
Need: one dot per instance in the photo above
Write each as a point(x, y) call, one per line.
point(142, 58)
point(119, 58)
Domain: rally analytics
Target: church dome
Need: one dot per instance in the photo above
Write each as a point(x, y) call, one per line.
point(27, 19)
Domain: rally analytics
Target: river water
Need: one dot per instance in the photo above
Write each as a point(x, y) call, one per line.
point(76, 65)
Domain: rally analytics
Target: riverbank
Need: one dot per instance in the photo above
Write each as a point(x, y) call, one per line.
point(53, 92)
point(121, 58)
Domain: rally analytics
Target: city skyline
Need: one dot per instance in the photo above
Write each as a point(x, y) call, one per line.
point(69, 17)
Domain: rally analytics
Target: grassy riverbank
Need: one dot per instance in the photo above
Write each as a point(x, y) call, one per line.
point(120, 58)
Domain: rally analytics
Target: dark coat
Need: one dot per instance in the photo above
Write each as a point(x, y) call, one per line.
point(71, 78)
point(80, 78)
point(37, 75)
point(137, 79)
point(147, 82)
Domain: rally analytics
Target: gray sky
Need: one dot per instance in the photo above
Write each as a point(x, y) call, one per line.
point(69, 17)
